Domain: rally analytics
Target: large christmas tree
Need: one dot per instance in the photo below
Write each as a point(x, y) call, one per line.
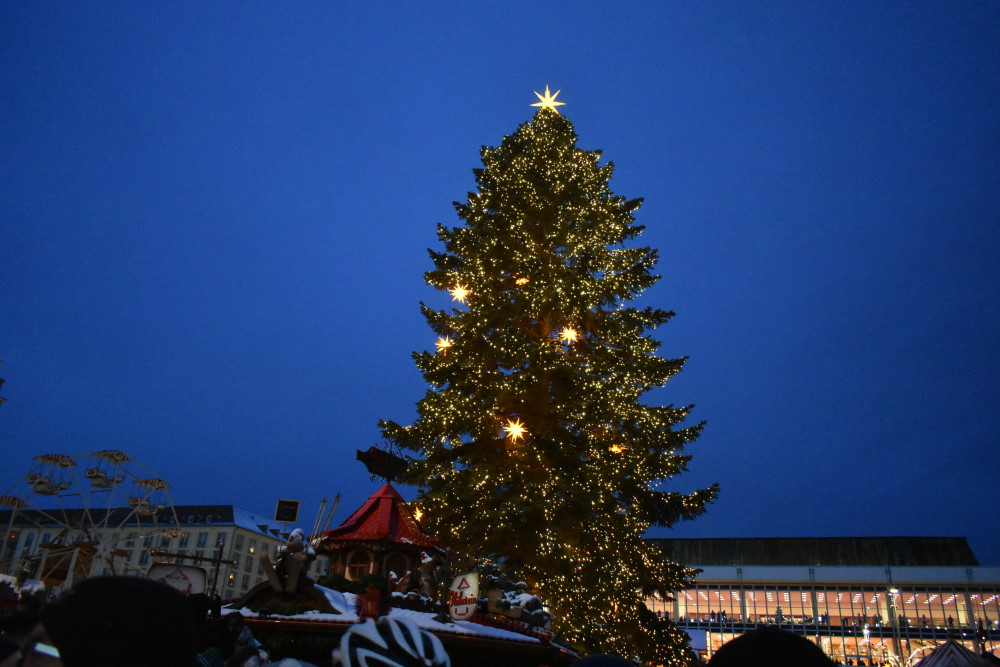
point(533, 448)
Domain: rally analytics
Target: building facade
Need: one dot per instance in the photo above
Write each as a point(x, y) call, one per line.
point(58, 546)
point(864, 601)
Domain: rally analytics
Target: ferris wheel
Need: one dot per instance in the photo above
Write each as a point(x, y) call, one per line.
point(84, 505)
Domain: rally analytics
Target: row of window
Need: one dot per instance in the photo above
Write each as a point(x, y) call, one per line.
point(932, 606)
point(854, 624)
point(28, 546)
point(136, 548)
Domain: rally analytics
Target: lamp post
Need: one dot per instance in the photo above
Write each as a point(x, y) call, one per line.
point(218, 561)
point(897, 639)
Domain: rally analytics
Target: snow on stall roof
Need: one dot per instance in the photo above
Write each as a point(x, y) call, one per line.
point(427, 622)
point(339, 601)
point(346, 604)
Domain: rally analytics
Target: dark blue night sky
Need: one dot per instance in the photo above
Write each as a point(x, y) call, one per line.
point(214, 220)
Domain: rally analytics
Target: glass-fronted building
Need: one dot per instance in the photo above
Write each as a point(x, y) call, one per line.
point(864, 601)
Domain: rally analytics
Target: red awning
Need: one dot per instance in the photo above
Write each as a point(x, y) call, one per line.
point(383, 517)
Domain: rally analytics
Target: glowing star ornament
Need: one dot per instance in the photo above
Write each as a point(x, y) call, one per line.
point(569, 335)
point(617, 449)
point(548, 101)
point(459, 293)
point(514, 429)
point(443, 343)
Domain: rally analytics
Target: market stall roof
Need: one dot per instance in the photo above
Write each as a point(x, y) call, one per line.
point(953, 654)
point(383, 517)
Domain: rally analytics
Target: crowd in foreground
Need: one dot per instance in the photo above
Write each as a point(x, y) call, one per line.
point(134, 622)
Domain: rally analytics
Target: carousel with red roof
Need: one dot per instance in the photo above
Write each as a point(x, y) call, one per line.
point(382, 565)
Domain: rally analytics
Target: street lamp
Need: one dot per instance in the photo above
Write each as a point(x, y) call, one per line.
point(897, 639)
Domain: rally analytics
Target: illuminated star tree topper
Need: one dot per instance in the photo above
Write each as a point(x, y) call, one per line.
point(548, 100)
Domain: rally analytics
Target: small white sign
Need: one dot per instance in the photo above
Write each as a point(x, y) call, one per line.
point(464, 596)
point(185, 578)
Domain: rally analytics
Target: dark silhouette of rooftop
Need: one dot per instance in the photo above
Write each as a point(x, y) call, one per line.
point(820, 551)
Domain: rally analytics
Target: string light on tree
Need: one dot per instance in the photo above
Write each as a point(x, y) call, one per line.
point(567, 508)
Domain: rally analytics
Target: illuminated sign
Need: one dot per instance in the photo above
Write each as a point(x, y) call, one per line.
point(464, 596)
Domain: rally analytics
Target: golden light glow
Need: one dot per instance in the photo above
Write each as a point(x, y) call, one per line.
point(515, 429)
point(617, 449)
point(443, 343)
point(459, 293)
point(521, 281)
point(548, 101)
point(418, 513)
point(569, 335)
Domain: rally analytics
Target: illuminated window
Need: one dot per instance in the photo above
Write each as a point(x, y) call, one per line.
point(358, 564)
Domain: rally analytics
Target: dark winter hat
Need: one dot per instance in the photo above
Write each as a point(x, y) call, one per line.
point(122, 622)
point(770, 647)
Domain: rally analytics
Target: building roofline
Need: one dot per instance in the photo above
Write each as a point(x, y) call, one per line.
point(192, 516)
point(894, 551)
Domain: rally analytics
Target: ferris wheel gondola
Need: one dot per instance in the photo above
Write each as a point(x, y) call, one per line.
point(146, 498)
point(52, 475)
point(103, 470)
